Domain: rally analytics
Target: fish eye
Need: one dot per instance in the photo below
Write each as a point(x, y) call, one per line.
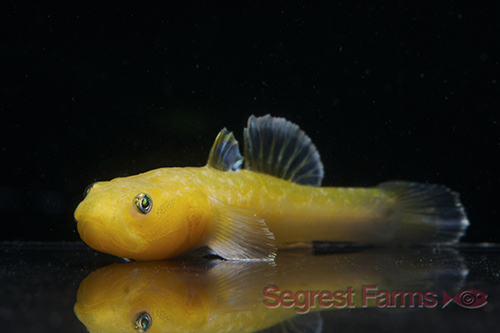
point(142, 322)
point(87, 190)
point(143, 203)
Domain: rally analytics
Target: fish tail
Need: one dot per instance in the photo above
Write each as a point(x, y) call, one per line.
point(426, 214)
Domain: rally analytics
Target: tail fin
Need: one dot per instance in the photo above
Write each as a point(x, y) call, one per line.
point(426, 214)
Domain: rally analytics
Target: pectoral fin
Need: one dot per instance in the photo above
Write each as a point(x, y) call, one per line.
point(239, 234)
point(239, 284)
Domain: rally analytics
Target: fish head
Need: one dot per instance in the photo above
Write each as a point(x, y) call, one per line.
point(140, 218)
point(144, 297)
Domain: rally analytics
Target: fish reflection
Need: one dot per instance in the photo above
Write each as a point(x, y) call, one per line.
point(198, 295)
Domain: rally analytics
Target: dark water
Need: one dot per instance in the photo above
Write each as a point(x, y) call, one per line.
point(39, 284)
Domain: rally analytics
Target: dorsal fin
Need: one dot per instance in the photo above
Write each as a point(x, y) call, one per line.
point(278, 147)
point(225, 154)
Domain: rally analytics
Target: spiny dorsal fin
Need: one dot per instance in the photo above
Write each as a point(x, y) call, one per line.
point(225, 154)
point(278, 147)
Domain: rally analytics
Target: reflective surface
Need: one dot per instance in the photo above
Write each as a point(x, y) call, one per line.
point(60, 287)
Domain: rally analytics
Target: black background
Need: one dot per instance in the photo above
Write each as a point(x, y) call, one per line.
point(385, 89)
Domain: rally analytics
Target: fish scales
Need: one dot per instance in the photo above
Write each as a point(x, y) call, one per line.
point(248, 212)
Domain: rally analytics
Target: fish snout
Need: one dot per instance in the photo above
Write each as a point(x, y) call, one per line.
point(106, 239)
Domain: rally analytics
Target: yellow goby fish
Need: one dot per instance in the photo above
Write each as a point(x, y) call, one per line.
point(248, 213)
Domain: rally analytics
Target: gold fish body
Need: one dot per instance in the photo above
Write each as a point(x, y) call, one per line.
point(249, 213)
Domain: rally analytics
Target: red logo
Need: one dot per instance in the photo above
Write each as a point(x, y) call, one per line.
point(469, 299)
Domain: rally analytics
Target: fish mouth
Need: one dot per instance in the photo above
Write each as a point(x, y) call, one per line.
point(105, 238)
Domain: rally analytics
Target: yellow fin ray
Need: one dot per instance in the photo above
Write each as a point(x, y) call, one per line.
point(239, 234)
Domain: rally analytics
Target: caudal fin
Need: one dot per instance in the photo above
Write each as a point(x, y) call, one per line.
point(426, 214)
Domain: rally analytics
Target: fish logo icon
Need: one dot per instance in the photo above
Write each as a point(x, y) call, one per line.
point(469, 299)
